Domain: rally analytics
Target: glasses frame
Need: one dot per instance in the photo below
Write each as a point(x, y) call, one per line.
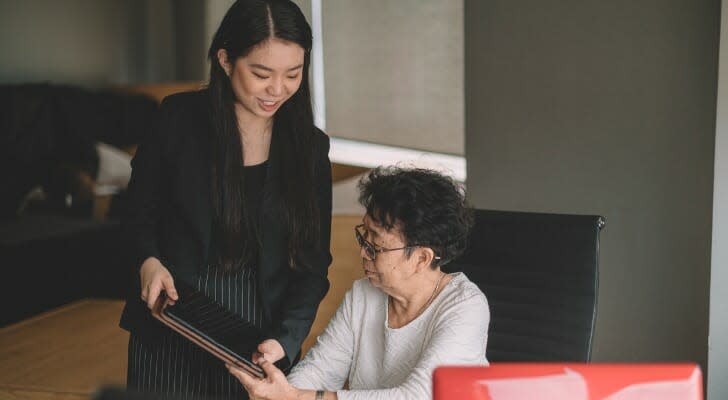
point(371, 250)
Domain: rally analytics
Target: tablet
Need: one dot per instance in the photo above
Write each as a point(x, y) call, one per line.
point(211, 326)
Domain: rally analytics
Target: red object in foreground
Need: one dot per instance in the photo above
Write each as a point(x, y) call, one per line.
point(569, 381)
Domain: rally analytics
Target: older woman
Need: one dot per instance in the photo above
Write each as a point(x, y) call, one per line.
point(407, 316)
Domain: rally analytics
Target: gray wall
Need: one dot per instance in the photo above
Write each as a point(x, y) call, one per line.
point(189, 38)
point(214, 12)
point(606, 107)
point(103, 42)
point(71, 41)
point(718, 350)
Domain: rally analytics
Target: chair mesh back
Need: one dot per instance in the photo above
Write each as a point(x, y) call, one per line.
point(540, 275)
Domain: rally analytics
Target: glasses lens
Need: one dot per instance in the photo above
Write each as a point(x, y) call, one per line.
point(368, 248)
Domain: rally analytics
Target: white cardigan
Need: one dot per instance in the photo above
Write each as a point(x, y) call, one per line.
point(384, 363)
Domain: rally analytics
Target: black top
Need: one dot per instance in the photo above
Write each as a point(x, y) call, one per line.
point(253, 180)
point(170, 217)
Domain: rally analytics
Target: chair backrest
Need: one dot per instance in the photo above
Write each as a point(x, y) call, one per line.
point(569, 381)
point(540, 275)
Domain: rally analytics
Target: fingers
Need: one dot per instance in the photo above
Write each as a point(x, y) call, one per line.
point(272, 350)
point(145, 293)
point(270, 369)
point(271, 388)
point(249, 382)
point(169, 288)
point(244, 378)
point(153, 293)
point(263, 347)
point(155, 278)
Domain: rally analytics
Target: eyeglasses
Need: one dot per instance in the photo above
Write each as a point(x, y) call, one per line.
point(370, 250)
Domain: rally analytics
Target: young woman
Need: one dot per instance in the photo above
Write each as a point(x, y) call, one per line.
point(232, 194)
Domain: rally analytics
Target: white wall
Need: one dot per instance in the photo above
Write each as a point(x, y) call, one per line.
point(718, 342)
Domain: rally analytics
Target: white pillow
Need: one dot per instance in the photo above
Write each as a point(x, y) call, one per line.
point(114, 169)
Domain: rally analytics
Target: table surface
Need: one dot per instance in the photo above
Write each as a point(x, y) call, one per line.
point(65, 353)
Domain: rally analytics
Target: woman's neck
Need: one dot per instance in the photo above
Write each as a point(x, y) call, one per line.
point(255, 135)
point(252, 126)
point(406, 306)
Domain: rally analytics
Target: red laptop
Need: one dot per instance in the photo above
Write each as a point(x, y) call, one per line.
point(569, 381)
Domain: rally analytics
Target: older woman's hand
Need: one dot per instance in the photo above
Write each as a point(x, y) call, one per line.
point(270, 349)
point(273, 387)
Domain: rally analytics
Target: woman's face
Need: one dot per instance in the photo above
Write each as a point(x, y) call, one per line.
point(389, 269)
point(265, 78)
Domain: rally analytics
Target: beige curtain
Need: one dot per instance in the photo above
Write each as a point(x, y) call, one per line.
point(394, 72)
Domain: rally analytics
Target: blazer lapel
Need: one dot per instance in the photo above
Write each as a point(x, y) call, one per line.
point(194, 172)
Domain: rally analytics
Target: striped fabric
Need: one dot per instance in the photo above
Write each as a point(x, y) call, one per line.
point(178, 367)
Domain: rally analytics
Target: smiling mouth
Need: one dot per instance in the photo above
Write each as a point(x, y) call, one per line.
point(268, 103)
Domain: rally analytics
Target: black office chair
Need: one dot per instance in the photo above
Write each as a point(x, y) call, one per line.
point(540, 274)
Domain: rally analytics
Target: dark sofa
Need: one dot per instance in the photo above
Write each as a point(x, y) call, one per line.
point(52, 249)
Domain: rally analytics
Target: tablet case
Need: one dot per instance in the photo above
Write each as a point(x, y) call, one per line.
point(216, 329)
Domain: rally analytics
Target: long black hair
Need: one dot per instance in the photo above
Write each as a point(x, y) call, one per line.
point(247, 24)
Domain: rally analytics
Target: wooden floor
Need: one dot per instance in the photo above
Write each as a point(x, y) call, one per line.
point(66, 354)
point(63, 354)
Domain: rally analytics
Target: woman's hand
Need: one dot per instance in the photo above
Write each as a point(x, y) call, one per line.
point(269, 349)
point(273, 387)
point(155, 278)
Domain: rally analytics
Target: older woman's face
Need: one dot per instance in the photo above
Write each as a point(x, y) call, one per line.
point(389, 268)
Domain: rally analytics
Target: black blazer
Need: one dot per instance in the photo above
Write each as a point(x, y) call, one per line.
point(170, 217)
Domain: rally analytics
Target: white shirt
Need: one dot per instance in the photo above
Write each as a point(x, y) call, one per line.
point(384, 363)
